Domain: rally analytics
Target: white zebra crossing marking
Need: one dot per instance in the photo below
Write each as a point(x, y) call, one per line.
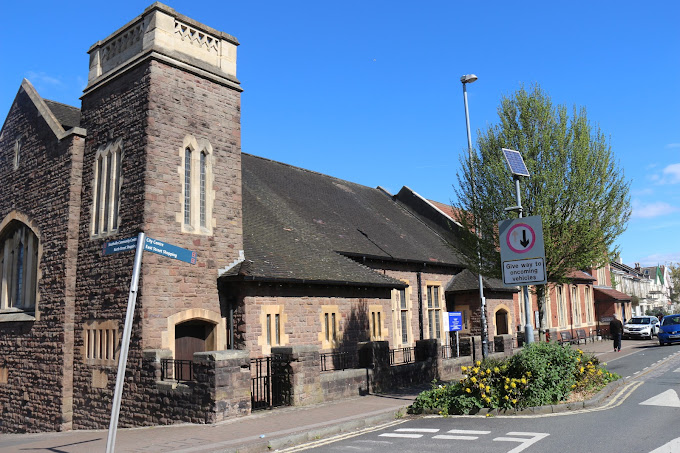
point(525, 442)
point(461, 434)
point(669, 398)
point(670, 447)
point(410, 433)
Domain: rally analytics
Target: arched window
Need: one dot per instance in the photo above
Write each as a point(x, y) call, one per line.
point(106, 189)
point(18, 267)
point(197, 194)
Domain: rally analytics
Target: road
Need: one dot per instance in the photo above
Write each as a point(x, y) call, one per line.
point(640, 417)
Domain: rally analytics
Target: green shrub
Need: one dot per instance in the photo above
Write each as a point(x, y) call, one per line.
point(541, 374)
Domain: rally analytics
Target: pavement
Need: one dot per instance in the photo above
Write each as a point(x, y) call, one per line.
point(268, 430)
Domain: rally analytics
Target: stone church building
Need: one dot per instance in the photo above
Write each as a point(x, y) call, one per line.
point(286, 259)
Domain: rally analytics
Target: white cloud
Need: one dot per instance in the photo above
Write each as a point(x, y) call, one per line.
point(40, 78)
point(643, 192)
point(659, 258)
point(673, 145)
point(656, 209)
point(671, 174)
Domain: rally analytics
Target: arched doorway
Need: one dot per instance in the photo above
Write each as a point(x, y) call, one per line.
point(501, 322)
point(190, 337)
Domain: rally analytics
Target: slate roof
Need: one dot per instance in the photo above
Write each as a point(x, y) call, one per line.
point(580, 275)
point(67, 116)
point(466, 281)
point(303, 226)
point(610, 293)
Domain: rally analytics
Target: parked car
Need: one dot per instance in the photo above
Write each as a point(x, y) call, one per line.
point(641, 327)
point(669, 332)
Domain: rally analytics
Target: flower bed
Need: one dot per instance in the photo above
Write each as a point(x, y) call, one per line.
point(542, 374)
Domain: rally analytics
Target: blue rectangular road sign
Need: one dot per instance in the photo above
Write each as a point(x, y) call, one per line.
point(169, 250)
point(455, 321)
point(119, 245)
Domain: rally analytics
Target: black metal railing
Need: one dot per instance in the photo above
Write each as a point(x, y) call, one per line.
point(401, 355)
point(177, 370)
point(270, 382)
point(339, 360)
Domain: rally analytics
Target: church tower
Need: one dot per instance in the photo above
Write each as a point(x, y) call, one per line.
point(163, 156)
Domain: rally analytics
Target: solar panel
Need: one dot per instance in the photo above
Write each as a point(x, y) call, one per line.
point(515, 162)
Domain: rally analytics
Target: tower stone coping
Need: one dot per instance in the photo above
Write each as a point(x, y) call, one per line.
point(160, 30)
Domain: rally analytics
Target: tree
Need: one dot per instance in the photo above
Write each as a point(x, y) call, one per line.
point(576, 186)
point(674, 271)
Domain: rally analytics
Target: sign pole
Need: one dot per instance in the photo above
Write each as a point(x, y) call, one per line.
point(528, 330)
point(125, 345)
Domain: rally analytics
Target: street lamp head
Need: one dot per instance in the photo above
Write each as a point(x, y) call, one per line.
point(468, 78)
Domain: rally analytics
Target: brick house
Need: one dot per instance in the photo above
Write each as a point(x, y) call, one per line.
point(286, 257)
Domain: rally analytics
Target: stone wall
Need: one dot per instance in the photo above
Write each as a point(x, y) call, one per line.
point(43, 193)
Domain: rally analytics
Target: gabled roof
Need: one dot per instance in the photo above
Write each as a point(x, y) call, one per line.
point(610, 293)
point(580, 275)
point(466, 281)
point(67, 116)
point(300, 225)
point(63, 120)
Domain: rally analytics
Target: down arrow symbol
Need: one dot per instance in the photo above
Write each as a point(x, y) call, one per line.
point(524, 240)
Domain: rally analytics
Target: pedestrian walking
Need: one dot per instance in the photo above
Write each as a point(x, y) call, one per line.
point(616, 329)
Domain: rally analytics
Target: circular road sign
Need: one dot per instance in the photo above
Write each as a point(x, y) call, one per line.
point(521, 238)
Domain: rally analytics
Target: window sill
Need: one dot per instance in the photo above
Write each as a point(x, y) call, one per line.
point(15, 315)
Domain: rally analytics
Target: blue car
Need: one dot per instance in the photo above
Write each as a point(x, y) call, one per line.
point(669, 331)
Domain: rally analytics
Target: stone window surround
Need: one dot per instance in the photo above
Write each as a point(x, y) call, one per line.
point(465, 317)
point(442, 303)
point(114, 149)
point(561, 306)
point(272, 311)
point(220, 329)
point(101, 342)
point(17, 150)
point(16, 314)
point(329, 310)
point(197, 147)
point(396, 318)
point(377, 316)
point(507, 317)
point(576, 305)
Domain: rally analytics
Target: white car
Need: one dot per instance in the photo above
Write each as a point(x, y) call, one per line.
point(641, 327)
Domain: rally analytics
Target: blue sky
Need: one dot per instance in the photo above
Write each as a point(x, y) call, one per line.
point(370, 92)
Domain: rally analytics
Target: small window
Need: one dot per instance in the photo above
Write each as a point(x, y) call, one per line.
point(329, 334)
point(106, 188)
point(434, 311)
point(100, 342)
point(375, 322)
point(272, 322)
point(197, 195)
point(17, 151)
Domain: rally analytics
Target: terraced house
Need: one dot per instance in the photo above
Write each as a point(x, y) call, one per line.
point(289, 263)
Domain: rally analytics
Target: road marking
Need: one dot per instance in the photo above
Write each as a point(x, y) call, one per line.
point(461, 434)
point(525, 442)
point(670, 447)
point(407, 436)
point(340, 437)
point(447, 437)
point(410, 433)
point(677, 371)
point(669, 398)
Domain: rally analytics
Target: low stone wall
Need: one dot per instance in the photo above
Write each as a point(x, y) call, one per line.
point(346, 383)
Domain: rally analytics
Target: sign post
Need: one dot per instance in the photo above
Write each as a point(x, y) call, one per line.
point(140, 243)
point(125, 344)
point(454, 325)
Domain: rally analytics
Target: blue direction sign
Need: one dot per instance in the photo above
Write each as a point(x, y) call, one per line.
point(455, 321)
point(169, 250)
point(119, 245)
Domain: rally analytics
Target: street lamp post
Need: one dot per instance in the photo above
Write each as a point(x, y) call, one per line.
point(469, 78)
